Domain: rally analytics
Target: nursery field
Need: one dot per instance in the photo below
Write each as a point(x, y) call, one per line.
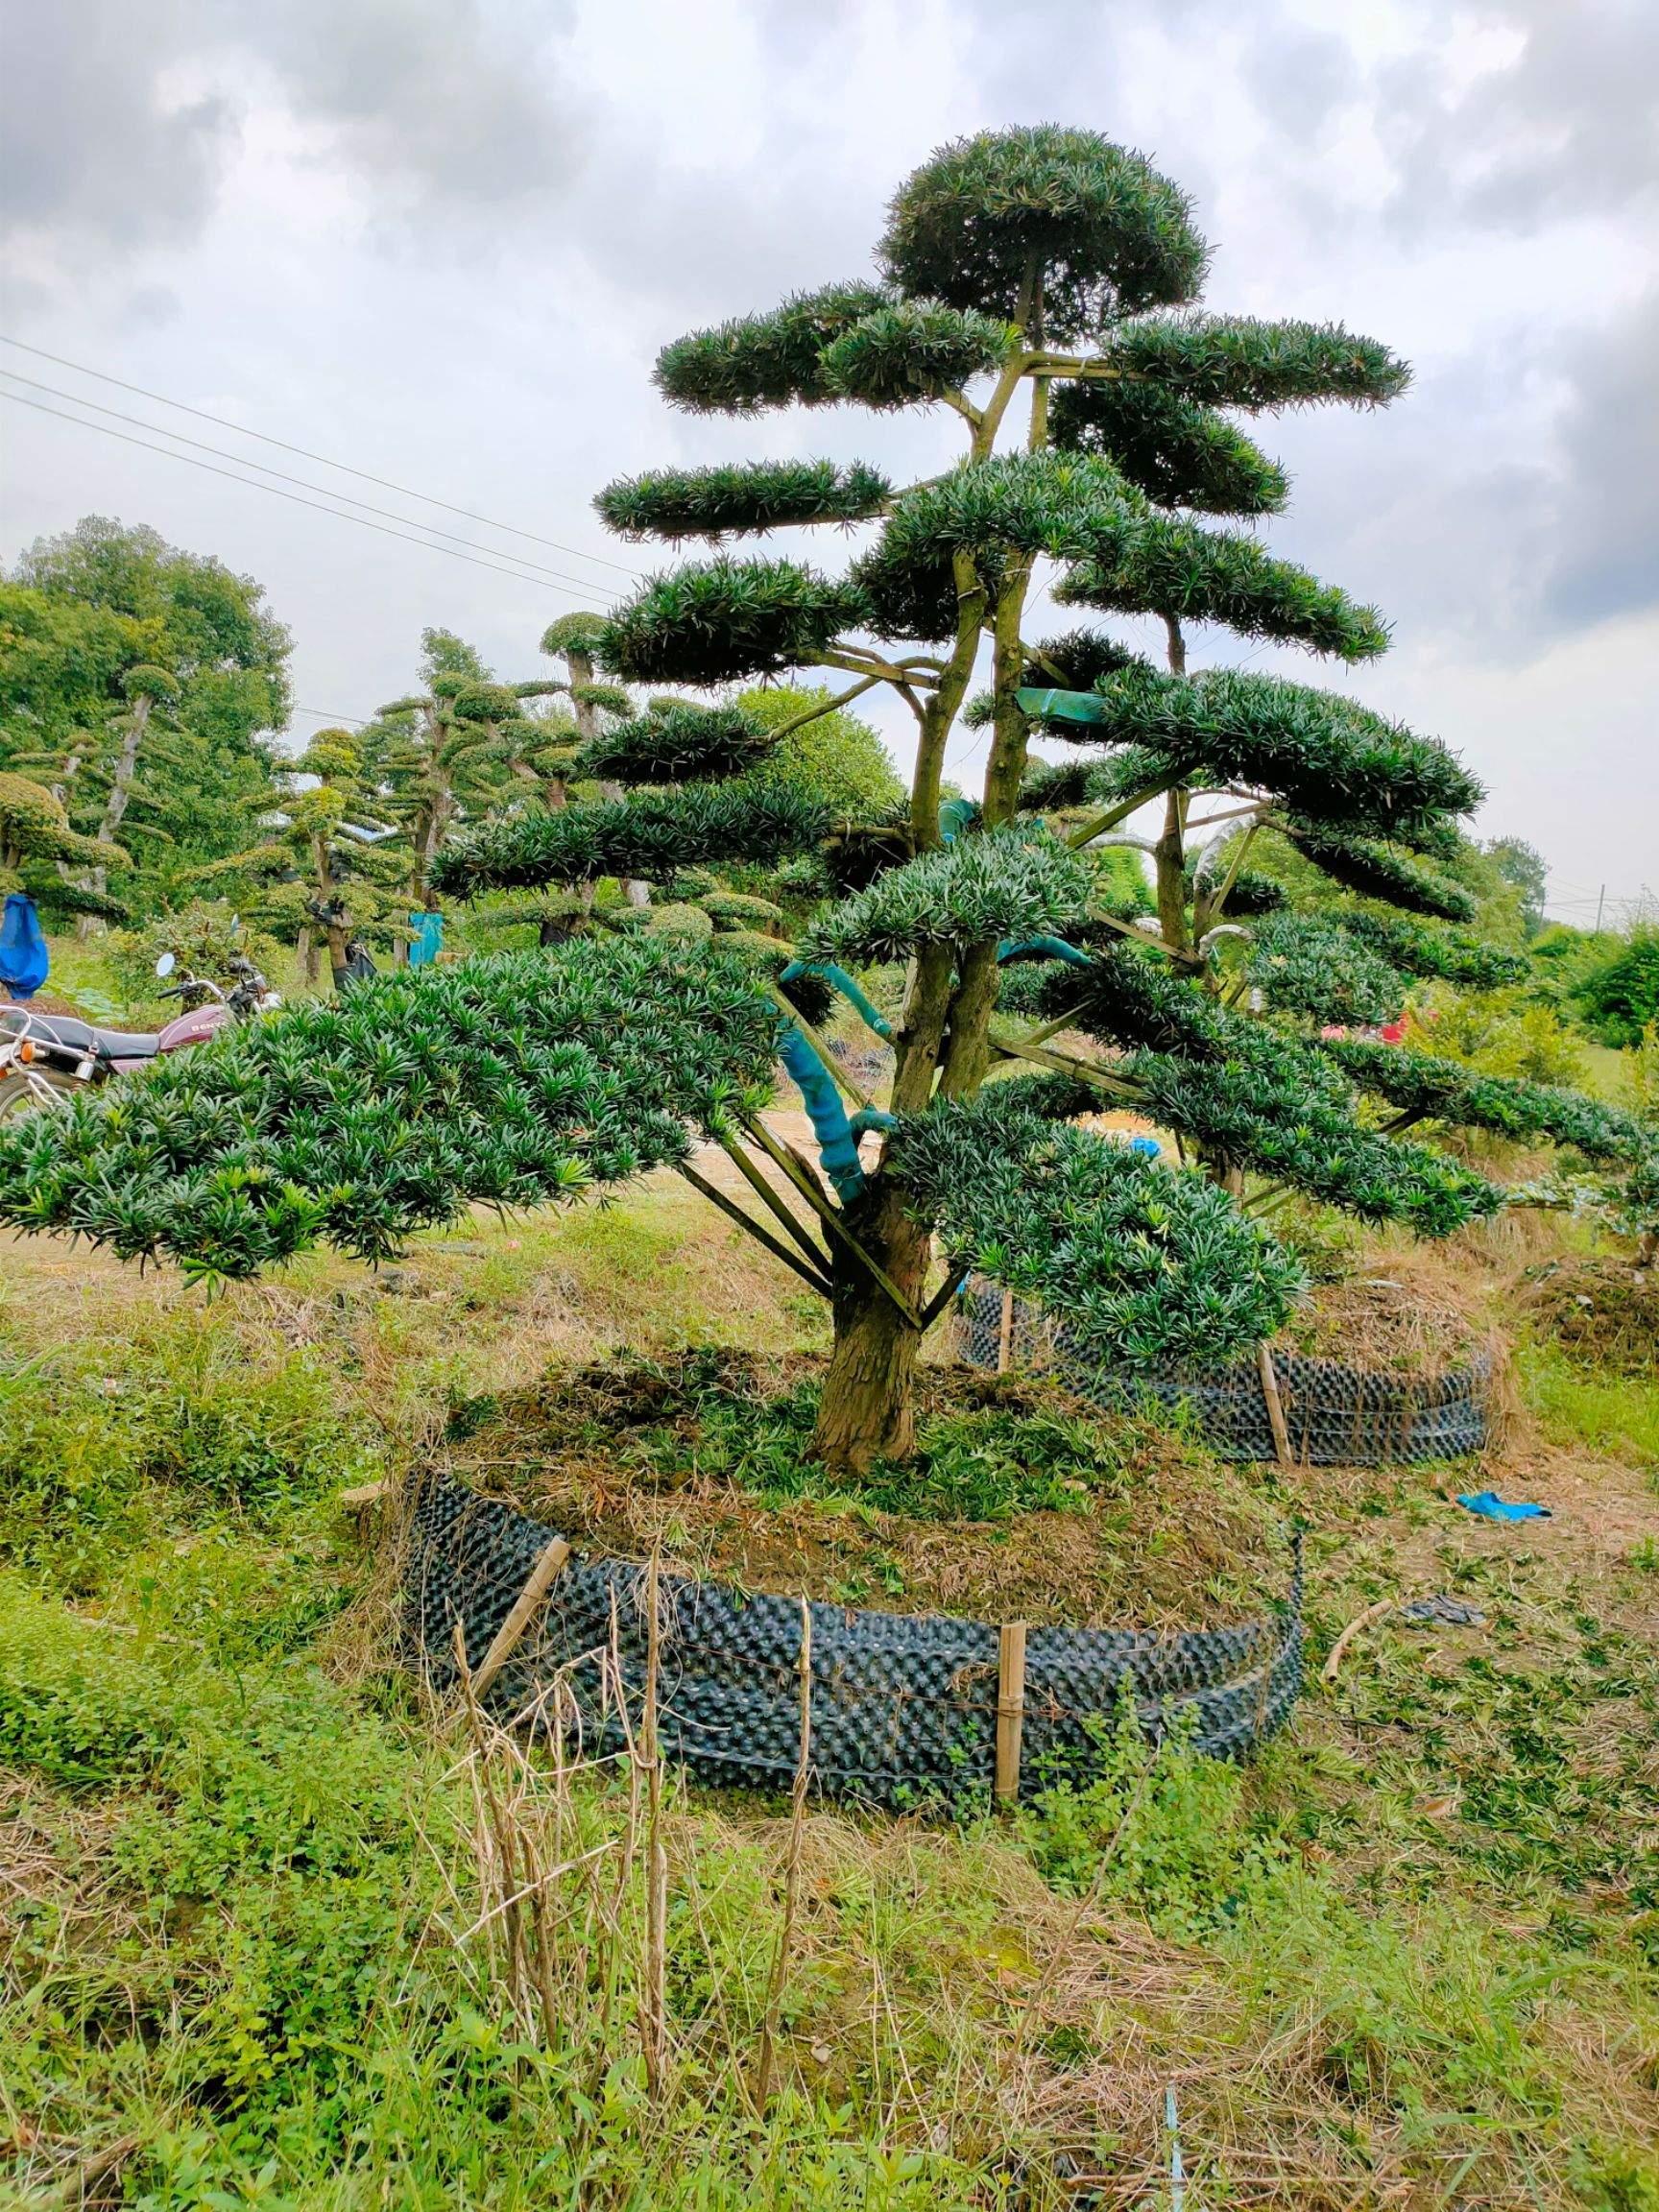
point(1202, 1059)
point(1408, 1957)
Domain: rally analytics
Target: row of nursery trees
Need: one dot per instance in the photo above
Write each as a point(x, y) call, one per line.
point(138, 781)
point(139, 689)
point(1042, 286)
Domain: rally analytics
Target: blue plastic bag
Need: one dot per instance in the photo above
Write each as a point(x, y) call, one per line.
point(427, 941)
point(1491, 1507)
point(23, 956)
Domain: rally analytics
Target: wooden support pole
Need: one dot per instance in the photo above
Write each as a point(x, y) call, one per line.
point(1006, 1334)
point(718, 1198)
point(806, 1184)
point(1022, 1048)
point(770, 1199)
point(946, 1291)
point(524, 1607)
point(1275, 1405)
point(1010, 1708)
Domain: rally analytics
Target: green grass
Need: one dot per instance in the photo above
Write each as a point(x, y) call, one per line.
point(979, 1464)
point(1610, 1072)
point(1410, 1955)
point(1616, 1416)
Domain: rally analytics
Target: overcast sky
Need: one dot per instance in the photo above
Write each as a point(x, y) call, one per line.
point(441, 240)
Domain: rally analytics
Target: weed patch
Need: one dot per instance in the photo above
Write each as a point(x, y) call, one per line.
point(1617, 1415)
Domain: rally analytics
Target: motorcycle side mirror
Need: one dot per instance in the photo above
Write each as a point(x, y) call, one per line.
point(166, 964)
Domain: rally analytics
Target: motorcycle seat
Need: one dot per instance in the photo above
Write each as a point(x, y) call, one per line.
point(78, 1036)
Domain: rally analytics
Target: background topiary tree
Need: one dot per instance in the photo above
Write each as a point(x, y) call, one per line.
point(39, 853)
point(336, 861)
point(458, 748)
point(141, 682)
point(1040, 285)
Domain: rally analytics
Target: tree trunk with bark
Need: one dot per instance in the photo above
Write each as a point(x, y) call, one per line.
point(868, 1410)
point(120, 792)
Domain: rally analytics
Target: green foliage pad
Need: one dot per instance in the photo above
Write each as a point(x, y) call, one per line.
point(517, 1080)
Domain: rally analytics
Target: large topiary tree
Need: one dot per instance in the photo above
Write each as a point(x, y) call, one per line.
point(1040, 285)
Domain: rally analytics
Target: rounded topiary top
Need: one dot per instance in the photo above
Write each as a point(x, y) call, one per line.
point(573, 634)
point(1098, 222)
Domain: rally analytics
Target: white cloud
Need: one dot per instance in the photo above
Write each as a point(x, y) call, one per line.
point(444, 238)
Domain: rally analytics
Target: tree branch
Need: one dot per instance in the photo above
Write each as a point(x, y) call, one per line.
point(1115, 814)
point(826, 707)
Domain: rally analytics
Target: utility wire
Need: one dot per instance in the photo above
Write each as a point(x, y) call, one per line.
point(305, 454)
point(253, 483)
point(74, 400)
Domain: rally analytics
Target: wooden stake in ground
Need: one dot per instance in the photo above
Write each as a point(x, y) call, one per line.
point(1275, 1405)
point(792, 1867)
point(524, 1607)
point(655, 2007)
point(1010, 1708)
point(1006, 1334)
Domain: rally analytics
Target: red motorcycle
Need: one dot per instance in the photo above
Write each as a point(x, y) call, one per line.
point(45, 1056)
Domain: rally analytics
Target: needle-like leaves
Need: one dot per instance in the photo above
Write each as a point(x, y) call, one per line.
point(713, 621)
point(754, 495)
point(1108, 233)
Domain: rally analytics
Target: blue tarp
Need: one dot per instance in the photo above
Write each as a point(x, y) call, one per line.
point(23, 956)
point(427, 942)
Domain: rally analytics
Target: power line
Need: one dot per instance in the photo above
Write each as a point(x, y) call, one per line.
point(253, 484)
point(555, 575)
point(304, 452)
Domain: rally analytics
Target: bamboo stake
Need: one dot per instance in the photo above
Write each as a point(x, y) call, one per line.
point(1110, 820)
point(1006, 1334)
point(769, 1198)
point(496, 1824)
point(1021, 1048)
point(1060, 1022)
point(1010, 1707)
point(946, 1291)
point(552, 1558)
point(1275, 1405)
point(718, 1198)
point(803, 1181)
point(614, 1686)
point(792, 1868)
point(655, 2009)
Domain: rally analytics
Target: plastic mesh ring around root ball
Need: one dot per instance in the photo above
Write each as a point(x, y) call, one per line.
point(903, 1706)
point(1338, 1416)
